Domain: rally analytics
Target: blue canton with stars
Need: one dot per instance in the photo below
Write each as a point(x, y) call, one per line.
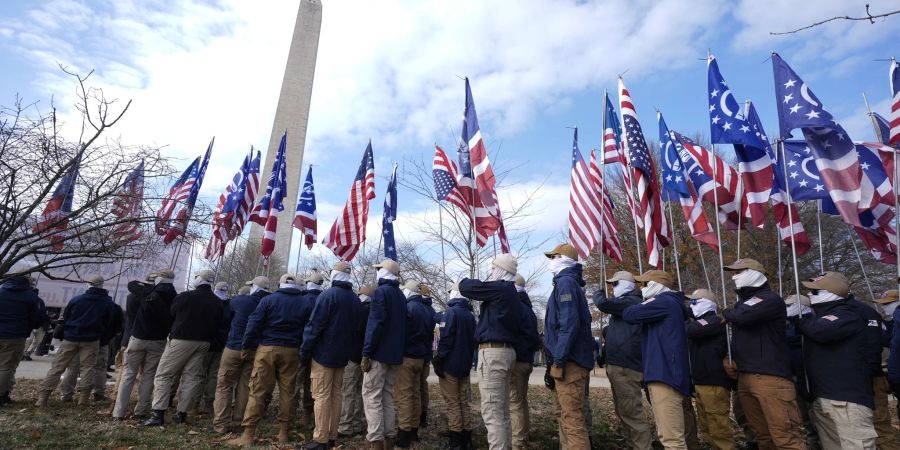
point(803, 175)
point(638, 153)
point(727, 124)
point(674, 183)
point(388, 217)
point(798, 107)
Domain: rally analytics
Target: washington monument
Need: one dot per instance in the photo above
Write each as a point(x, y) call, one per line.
point(292, 115)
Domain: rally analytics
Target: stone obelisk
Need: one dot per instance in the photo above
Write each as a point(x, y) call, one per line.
point(292, 116)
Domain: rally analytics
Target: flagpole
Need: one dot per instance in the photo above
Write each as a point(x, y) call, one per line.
point(740, 217)
point(118, 278)
point(721, 246)
point(703, 263)
point(819, 230)
point(861, 266)
point(674, 243)
point(790, 201)
point(441, 232)
point(603, 198)
point(299, 250)
point(780, 270)
point(187, 277)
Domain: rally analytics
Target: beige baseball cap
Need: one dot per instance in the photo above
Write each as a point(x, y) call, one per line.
point(222, 286)
point(703, 293)
point(791, 299)
point(663, 278)
point(563, 249)
point(260, 281)
point(315, 277)
point(890, 296)
point(506, 262)
point(341, 266)
point(520, 280)
point(288, 279)
point(622, 275)
point(745, 263)
point(412, 286)
point(390, 265)
point(834, 282)
point(96, 281)
point(206, 275)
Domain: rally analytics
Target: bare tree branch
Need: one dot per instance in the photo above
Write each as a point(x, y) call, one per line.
point(871, 18)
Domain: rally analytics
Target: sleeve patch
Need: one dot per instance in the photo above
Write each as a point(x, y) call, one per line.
point(443, 324)
point(565, 298)
point(703, 322)
point(830, 317)
point(873, 323)
point(753, 301)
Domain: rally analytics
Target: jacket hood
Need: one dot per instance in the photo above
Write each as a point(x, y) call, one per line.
point(17, 284)
point(427, 301)
point(95, 293)
point(633, 294)
point(824, 308)
point(203, 287)
point(750, 291)
point(524, 298)
point(165, 288)
point(342, 284)
point(416, 298)
point(461, 302)
point(289, 291)
point(261, 293)
point(394, 283)
point(571, 272)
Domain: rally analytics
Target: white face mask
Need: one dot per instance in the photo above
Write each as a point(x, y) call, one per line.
point(498, 274)
point(520, 288)
point(197, 281)
point(652, 289)
point(748, 278)
point(797, 309)
point(310, 286)
point(408, 293)
point(823, 296)
point(162, 280)
point(337, 275)
point(385, 274)
point(702, 306)
point(254, 289)
point(455, 294)
point(889, 309)
point(287, 286)
point(622, 287)
point(557, 265)
point(222, 294)
point(365, 298)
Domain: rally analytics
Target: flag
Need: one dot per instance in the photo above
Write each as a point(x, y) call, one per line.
point(177, 194)
point(894, 140)
point(584, 206)
point(250, 190)
point(389, 215)
point(613, 152)
point(882, 128)
point(305, 218)
point(227, 210)
point(609, 235)
point(787, 217)
point(127, 206)
point(714, 180)
point(349, 229)
point(656, 229)
point(833, 151)
point(444, 173)
point(677, 188)
point(179, 226)
point(272, 203)
point(476, 175)
point(728, 126)
point(880, 241)
point(803, 177)
point(54, 220)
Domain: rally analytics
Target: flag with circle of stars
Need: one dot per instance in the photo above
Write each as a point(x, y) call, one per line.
point(674, 183)
point(727, 123)
point(305, 218)
point(389, 216)
point(804, 179)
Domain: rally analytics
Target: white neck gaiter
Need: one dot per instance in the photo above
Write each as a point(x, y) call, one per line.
point(520, 288)
point(622, 287)
point(498, 274)
point(310, 286)
point(797, 309)
point(337, 275)
point(197, 282)
point(652, 289)
point(365, 298)
point(455, 294)
point(386, 274)
point(702, 306)
point(162, 280)
point(823, 297)
point(889, 309)
point(748, 278)
point(287, 286)
point(222, 294)
point(558, 264)
point(254, 289)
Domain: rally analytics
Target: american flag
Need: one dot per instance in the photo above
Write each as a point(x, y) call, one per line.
point(179, 191)
point(882, 128)
point(870, 158)
point(54, 220)
point(833, 151)
point(609, 235)
point(305, 217)
point(787, 217)
point(656, 229)
point(229, 203)
point(250, 190)
point(715, 181)
point(127, 206)
point(584, 206)
point(728, 126)
point(349, 229)
point(895, 104)
point(444, 173)
point(272, 203)
point(179, 226)
point(677, 188)
point(613, 152)
point(389, 215)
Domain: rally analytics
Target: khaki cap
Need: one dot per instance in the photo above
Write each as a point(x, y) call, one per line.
point(206, 275)
point(315, 277)
point(244, 290)
point(703, 293)
point(288, 279)
point(563, 249)
point(425, 290)
point(260, 281)
point(367, 290)
point(248, 283)
point(791, 299)
point(151, 277)
point(390, 265)
point(166, 273)
point(520, 280)
point(663, 278)
point(506, 262)
point(96, 281)
point(622, 275)
point(890, 296)
point(412, 285)
point(834, 282)
point(222, 286)
point(746, 263)
point(341, 266)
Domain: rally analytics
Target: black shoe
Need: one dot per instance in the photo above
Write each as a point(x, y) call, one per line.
point(404, 439)
point(331, 444)
point(180, 417)
point(423, 419)
point(26, 357)
point(414, 435)
point(157, 419)
point(454, 439)
point(465, 442)
point(4, 399)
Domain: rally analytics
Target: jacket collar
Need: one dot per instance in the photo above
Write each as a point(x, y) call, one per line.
point(458, 303)
point(571, 272)
point(415, 299)
point(289, 291)
point(384, 281)
point(17, 284)
point(750, 291)
point(342, 284)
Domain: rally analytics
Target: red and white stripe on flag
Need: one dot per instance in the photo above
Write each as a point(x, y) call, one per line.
point(609, 239)
point(895, 105)
point(727, 184)
point(349, 229)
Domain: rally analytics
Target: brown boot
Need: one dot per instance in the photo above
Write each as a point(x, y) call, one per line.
point(43, 397)
point(283, 433)
point(84, 398)
point(306, 419)
point(388, 443)
point(376, 445)
point(246, 438)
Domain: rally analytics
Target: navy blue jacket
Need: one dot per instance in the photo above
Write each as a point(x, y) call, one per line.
point(758, 343)
point(664, 345)
point(435, 319)
point(276, 320)
point(894, 357)
point(328, 336)
point(835, 354)
point(419, 328)
point(708, 346)
point(21, 310)
point(529, 341)
point(137, 290)
point(198, 315)
point(88, 316)
point(116, 323)
point(456, 345)
point(240, 308)
point(359, 336)
point(622, 341)
point(386, 328)
point(567, 324)
point(873, 334)
point(500, 319)
point(224, 328)
point(794, 339)
point(154, 316)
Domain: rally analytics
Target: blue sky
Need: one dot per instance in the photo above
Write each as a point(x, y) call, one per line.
point(388, 71)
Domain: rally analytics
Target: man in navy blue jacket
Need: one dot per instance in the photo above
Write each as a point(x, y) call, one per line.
point(273, 329)
point(303, 395)
point(233, 378)
point(383, 353)
point(21, 310)
point(528, 343)
point(327, 343)
point(85, 320)
point(419, 335)
point(425, 290)
point(893, 364)
point(664, 348)
point(456, 348)
point(623, 359)
point(838, 366)
point(498, 328)
point(353, 417)
point(567, 334)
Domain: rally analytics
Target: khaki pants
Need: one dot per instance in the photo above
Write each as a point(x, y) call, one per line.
point(232, 389)
point(408, 393)
point(97, 384)
point(495, 369)
point(713, 404)
point(34, 342)
point(588, 420)
point(206, 394)
point(770, 404)
point(84, 354)
point(628, 394)
point(141, 357)
point(378, 401)
point(303, 390)
point(518, 404)
point(887, 437)
point(570, 392)
point(353, 418)
point(423, 386)
point(844, 425)
point(11, 351)
point(674, 417)
point(180, 356)
point(272, 365)
point(456, 395)
point(326, 390)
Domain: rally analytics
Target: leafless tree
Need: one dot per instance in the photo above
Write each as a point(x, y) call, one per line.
point(869, 16)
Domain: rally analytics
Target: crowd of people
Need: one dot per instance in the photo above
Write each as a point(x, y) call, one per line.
point(803, 372)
